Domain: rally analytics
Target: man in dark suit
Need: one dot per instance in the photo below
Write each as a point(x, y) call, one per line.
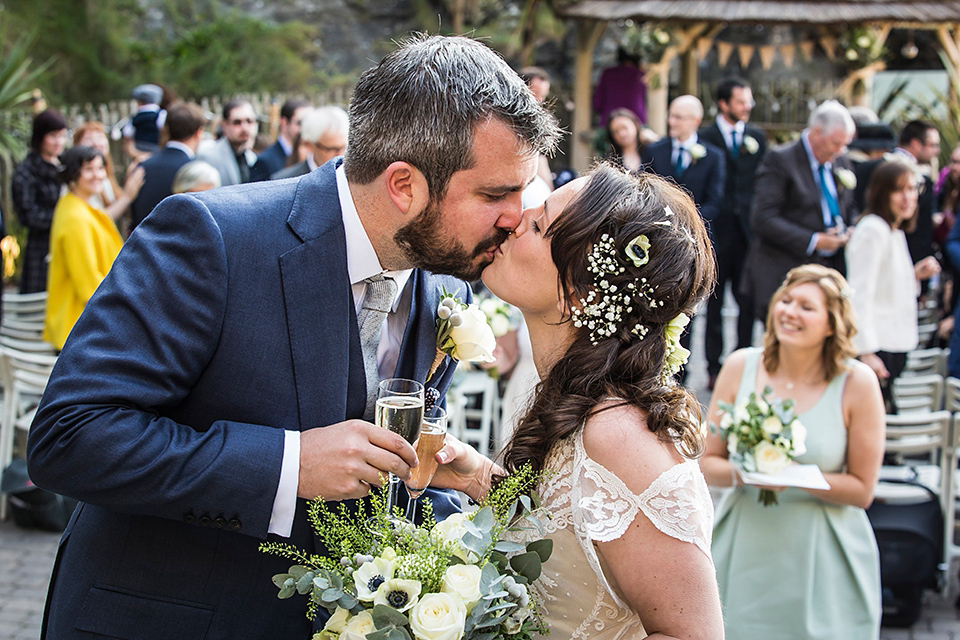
point(323, 133)
point(185, 124)
point(274, 158)
point(920, 144)
point(745, 146)
point(216, 379)
point(696, 165)
point(803, 204)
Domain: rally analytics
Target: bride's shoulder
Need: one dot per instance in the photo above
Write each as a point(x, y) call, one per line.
point(617, 437)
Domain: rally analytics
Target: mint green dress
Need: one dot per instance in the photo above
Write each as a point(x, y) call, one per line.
point(802, 569)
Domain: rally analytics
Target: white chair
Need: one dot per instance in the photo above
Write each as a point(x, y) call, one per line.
point(919, 393)
point(26, 374)
point(477, 405)
point(924, 440)
point(951, 395)
point(25, 306)
point(926, 362)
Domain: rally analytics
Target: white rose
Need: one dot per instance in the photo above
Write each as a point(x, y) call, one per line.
point(751, 145)
point(438, 616)
point(489, 307)
point(847, 178)
point(772, 426)
point(770, 458)
point(358, 627)
point(452, 530)
point(500, 324)
point(732, 443)
point(463, 580)
point(740, 413)
point(762, 406)
point(338, 621)
point(698, 151)
point(473, 339)
point(799, 438)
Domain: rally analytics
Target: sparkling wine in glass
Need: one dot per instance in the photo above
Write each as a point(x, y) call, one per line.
point(432, 434)
point(400, 409)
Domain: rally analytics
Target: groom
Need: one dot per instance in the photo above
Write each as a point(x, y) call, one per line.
point(184, 409)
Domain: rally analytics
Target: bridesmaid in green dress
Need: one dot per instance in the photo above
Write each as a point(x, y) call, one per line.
point(807, 568)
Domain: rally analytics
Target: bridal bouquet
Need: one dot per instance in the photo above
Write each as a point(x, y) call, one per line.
point(438, 581)
point(763, 435)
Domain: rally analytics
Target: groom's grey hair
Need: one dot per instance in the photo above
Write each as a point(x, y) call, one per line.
point(423, 103)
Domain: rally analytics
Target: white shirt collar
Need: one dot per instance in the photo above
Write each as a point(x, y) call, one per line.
point(312, 164)
point(814, 163)
point(176, 144)
point(362, 260)
point(284, 144)
point(726, 127)
point(689, 142)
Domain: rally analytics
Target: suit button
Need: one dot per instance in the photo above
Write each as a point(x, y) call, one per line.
point(220, 523)
point(234, 525)
point(189, 518)
point(204, 521)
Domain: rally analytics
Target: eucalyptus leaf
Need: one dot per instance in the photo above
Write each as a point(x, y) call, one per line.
point(525, 500)
point(484, 519)
point(384, 616)
point(512, 512)
point(286, 592)
point(298, 571)
point(543, 548)
point(506, 546)
point(347, 601)
point(321, 583)
point(331, 595)
point(527, 564)
point(305, 583)
point(503, 605)
point(280, 579)
point(499, 560)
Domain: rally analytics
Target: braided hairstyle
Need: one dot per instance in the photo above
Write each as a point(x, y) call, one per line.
point(625, 364)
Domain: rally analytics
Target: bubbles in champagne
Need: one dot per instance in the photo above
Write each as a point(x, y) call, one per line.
point(402, 415)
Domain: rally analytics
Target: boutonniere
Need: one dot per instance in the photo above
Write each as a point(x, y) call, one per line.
point(462, 332)
point(698, 151)
point(750, 145)
point(847, 178)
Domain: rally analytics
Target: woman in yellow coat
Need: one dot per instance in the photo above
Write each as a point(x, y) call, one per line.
point(84, 241)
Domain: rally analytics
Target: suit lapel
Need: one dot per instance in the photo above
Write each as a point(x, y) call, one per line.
point(419, 339)
point(321, 320)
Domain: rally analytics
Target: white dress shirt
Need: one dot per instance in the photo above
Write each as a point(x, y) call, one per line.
point(362, 262)
point(727, 129)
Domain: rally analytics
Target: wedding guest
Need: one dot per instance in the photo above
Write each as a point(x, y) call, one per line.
point(116, 201)
point(275, 157)
point(621, 87)
point(624, 133)
point(225, 372)
point(808, 567)
point(84, 242)
point(884, 280)
point(605, 273)
point(35, 188)
point(194, 176)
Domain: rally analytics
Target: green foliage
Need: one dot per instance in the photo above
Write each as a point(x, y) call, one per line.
point(18, 77)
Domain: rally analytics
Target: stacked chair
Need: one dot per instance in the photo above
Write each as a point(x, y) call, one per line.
point(26, 361)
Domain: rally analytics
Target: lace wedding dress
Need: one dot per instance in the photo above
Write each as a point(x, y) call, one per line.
point(588, 503)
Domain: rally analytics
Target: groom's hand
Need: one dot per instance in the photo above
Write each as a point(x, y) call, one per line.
point(344, 460)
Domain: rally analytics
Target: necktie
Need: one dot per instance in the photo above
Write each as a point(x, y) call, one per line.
point(243, 167)
point(832, 203)
point(377, 301)
point(678, 169)
point(736, 143)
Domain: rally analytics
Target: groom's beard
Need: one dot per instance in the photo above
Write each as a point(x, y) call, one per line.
point(426, 245)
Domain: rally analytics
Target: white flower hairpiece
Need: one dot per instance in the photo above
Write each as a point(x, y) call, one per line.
point(637, 250)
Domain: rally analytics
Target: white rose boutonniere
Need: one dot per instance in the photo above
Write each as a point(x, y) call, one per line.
point(750, 145)
point(698, 151)
point(463, 333)
point(847, 178)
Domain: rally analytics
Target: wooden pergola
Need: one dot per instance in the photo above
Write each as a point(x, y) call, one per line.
point(696, 23)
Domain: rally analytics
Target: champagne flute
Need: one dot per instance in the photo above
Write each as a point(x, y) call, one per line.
point(432, 434)
point(399, 409)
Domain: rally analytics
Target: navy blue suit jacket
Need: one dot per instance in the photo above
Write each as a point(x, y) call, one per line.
point(703, 178)
point(270, 160)
point(159, 172)
point(226, 319)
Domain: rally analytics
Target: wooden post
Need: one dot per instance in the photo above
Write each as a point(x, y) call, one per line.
point(588, 33)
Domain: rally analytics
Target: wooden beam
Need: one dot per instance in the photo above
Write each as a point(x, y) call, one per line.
point(588, 34)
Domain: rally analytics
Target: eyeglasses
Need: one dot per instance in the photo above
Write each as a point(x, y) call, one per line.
point(239, 121)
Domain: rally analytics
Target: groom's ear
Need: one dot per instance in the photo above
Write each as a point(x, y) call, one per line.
point(406, 187)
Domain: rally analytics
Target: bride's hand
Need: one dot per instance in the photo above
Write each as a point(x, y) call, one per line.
point(463, 468)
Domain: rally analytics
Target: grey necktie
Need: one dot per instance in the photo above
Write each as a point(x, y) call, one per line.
point(377, 302)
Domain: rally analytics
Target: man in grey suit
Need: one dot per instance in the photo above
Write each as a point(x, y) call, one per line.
point(803, 204)
point(217, 379)
point(232, 155)
point(323, 133)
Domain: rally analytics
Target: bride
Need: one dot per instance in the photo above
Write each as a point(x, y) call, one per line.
point(604, 273)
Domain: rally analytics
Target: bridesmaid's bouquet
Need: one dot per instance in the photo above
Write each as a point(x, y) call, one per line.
point(763, 435)
point(457, 579)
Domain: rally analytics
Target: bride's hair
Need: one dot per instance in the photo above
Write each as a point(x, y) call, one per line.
point(625, 361)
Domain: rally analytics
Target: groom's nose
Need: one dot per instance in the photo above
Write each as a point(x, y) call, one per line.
point(512, 212)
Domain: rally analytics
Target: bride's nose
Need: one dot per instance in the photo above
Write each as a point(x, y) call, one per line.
point(525, 221)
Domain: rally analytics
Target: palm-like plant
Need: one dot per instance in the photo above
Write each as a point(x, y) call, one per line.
point(18, 77)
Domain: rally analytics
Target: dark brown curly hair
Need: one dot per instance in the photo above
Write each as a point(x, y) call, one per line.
point(681, 270)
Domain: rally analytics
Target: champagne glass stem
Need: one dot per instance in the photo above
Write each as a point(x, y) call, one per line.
point(411, 510)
